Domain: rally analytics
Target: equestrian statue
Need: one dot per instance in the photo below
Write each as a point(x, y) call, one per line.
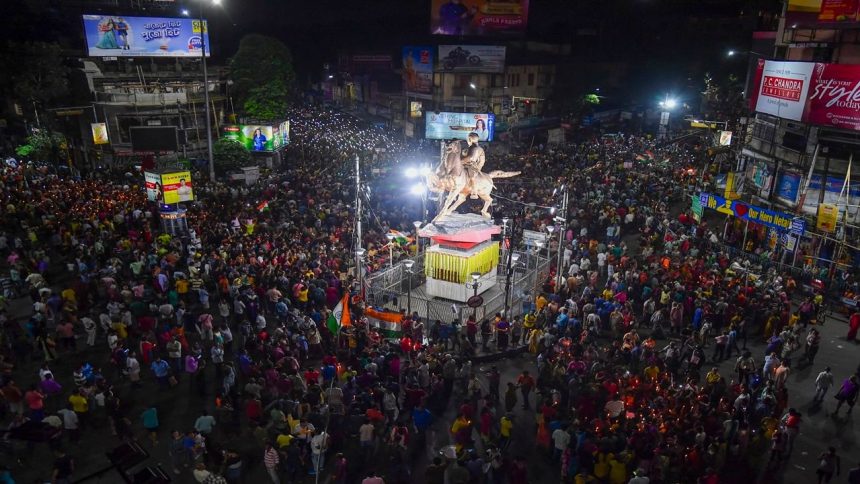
point(459, 175)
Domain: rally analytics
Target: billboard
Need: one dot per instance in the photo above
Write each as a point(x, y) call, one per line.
point(176, 187)
point(479, 17)
point(783, 88)
point(281, 135)
point(814, 93)
point(838, 11)
point(152, 182)
point(123, 36)
point(252, 137)
point(459, 125)
point(154, 138)
point(788, 186)
point(471, 58)
point(100, 133)
point(418, 69)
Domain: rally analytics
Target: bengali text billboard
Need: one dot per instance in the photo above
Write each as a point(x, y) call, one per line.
point(459, 125)
point(124, 36)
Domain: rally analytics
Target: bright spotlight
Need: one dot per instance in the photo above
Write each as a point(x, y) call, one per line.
point(185, 12)
point(472, 85)
point(424, 170)
point(731, 53)
point(411, 172)
point(417, 189)
point(671, 103)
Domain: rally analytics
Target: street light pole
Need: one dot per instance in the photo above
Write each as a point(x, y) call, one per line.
point(390, 238)
point(475, 285)
point(204, 30)
point(562, 220)
point(409, 263)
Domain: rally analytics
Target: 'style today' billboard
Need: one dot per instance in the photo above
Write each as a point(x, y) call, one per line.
point(479, 17)
point(169, 188)
point(123, 36)
point(812, 92)
point(459, 125)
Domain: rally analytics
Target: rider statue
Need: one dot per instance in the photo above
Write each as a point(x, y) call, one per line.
point(473, 159)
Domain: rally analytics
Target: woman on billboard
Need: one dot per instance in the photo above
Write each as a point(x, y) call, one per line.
point(481, 130)
point(259, 140)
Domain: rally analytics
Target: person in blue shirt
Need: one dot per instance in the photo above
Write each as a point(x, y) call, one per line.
point(259, 140)
point(561, 320)
point(161, 370)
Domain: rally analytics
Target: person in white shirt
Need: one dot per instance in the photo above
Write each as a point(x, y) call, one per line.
point(823, 382)
point(560, 440)
point(90, 329)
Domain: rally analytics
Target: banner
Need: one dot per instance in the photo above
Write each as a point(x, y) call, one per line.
point(418, 69)
point(834, 99)
point(459, 125)
point(828, 214)
point(725, 138)
point(100, 133)
point(769, 218)
point(252, 137)
point(152, 182)
point(782, 89)
point(176, 187)
point(281, 135)
point(788, 186)
point(416, 109)
point(122, 36)
point(838, 11)
point(472, 58)
point(479, 17)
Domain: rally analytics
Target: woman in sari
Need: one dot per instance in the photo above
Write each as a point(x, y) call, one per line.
point(108, 40)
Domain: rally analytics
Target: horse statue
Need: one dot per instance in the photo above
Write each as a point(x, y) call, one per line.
point(461, 177)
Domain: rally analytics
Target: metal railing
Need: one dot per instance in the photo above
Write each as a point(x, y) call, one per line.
point(388, 289)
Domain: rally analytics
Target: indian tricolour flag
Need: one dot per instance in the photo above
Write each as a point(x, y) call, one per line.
point(339, 318)
point(399, 237)
point(263, 206)
point(387, 322)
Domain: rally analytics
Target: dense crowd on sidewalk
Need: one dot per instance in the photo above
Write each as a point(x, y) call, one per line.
point(622, 386)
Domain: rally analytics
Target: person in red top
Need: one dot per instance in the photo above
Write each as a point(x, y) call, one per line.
point(853, 326)
point(36, 403)
point(254, 410)
point(526, 384)
point(312, 376)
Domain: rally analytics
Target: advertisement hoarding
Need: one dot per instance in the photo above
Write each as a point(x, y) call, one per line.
point(123, 36)
point(479, 17)
point(471, 58)
point(779, 221)
point(252, 137)
point(828, 214)
point(416, 109)
point(152, 182)
point(783, 88)
point(100, 133)
point(418, 69)
point(176, 187)
point(459, 125)
point(838, 11)
point(788, 186)
point(831, 97)
point(725, 138)
point(281, 135)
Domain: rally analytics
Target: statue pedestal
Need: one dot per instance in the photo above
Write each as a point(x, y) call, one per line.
point(461, 245)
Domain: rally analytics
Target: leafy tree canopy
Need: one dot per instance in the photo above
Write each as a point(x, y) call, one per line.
point(263, 76)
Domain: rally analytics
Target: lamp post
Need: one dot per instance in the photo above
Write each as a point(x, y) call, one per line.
point(417, 225)
point(409, 263)
point(474, 285)
point(539, 244)
point(359, 257)
point(509, 273)
point(204, 30)
point(390, 238)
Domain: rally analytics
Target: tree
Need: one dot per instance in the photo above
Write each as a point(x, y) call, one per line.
point(263, 76)
point(45, 146)
point(230, 155)
point(35, 72)
point(723, 100)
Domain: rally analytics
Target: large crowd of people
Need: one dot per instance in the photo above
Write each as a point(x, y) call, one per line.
point(123, 321)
